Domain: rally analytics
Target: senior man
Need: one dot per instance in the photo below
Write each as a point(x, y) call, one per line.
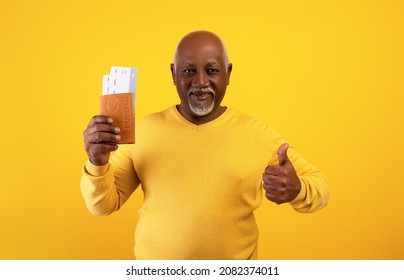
point(201, 165)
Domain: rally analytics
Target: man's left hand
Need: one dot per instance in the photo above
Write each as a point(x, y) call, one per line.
point(281, 181)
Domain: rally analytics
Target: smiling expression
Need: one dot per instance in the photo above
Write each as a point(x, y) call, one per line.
point(201, 73)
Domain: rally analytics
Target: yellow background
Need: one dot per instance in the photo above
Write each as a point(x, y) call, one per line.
point(328, 75)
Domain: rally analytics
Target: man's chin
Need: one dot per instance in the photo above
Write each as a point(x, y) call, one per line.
point(202, 111)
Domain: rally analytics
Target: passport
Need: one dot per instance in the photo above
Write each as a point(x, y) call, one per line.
point(119, 107)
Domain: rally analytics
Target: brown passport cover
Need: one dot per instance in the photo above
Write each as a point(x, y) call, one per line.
point(119, 107)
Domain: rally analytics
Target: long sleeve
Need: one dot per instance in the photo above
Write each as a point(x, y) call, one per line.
point(314, 193)
point(106, 188)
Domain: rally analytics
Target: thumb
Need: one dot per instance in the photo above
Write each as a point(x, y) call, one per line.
point(282, 155)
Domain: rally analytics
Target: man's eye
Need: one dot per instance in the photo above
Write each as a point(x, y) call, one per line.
point(212, 70)
point(188, 71)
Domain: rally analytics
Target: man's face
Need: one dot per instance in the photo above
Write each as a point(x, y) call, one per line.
point(201, 74)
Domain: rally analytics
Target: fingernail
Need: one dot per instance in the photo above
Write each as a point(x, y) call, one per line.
point(117, 130)
point(110, 120)
point(118, 137)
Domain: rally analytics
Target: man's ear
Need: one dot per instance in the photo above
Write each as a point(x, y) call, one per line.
point(229, 68)
point(173, 72)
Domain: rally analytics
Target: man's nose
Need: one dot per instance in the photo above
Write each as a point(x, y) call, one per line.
point(200, 79)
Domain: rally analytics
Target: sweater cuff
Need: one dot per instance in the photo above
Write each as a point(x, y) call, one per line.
point(302, 194)
point(95, 170)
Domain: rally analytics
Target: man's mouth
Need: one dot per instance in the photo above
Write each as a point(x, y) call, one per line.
point(201, 94)
point(201, 97)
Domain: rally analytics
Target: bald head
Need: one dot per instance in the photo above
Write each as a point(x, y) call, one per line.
point(197, 40)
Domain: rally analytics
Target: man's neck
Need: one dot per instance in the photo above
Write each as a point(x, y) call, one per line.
point(199, 120)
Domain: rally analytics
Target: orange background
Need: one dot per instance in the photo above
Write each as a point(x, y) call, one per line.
point(328, 75)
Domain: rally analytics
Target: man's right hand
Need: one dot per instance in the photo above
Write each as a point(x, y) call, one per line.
point(100, 139)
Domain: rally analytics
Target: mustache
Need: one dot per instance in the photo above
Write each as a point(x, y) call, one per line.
point(201, 90)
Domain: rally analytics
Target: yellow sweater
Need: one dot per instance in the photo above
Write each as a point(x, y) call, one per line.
point(201, 184)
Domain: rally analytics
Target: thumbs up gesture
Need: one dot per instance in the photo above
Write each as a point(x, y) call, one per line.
point(281, 182)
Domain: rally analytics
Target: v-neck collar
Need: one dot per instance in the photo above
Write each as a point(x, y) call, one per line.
point(197, 127)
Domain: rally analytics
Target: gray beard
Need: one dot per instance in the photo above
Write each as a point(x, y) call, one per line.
point(201, 108)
